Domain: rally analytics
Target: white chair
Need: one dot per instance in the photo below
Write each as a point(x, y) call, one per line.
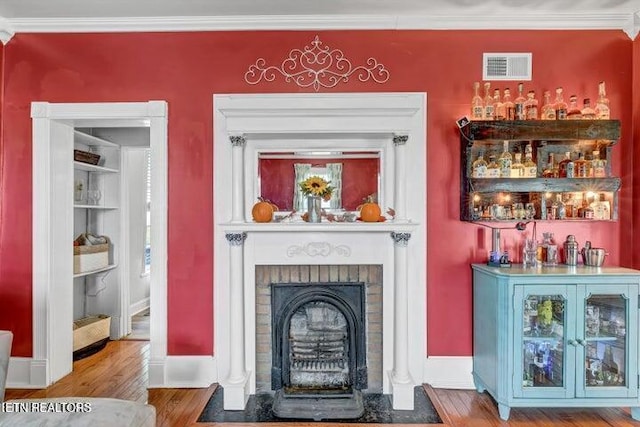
point(68, 411)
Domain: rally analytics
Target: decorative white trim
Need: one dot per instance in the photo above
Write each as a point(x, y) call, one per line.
point(26, 372)
point(573, 21)
point(633, 28)
point(316, 66)
point(6, 30)
point(449, 372)
point(183, 372)
point(53, 228)
point(313, 249)
point(139, 306)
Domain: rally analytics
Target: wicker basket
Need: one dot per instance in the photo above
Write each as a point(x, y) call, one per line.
point(89, 330)
point(89, 258)
point(86, 157)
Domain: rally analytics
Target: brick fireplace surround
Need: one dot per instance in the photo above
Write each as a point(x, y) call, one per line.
point(389, 256)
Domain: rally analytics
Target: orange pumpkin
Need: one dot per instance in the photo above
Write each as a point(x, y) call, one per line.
point(370, 212)
point(262, 211)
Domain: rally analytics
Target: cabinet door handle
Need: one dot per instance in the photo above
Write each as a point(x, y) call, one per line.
point(573, 342)
point(581, 342)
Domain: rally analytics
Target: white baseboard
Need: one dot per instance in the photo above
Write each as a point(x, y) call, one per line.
point(26, 372)
point(449, 372)
point(183, 372)
point(139, 306)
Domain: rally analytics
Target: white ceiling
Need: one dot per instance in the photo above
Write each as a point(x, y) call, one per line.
point(173, 15)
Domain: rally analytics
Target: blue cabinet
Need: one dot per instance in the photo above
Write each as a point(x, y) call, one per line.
point(556, 337)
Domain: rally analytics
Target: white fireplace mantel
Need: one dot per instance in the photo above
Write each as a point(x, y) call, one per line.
point(393, 124)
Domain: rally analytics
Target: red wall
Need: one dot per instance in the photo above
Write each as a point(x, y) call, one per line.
point(186, 69)
point(359, 180)
point(636, 148)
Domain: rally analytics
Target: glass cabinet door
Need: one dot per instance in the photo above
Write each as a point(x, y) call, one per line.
point(605, 347)
point(541, 354)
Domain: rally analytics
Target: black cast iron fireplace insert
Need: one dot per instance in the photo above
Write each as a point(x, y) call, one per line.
point(318, 350)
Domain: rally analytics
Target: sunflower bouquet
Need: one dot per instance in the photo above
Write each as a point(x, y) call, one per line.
point(316, 186)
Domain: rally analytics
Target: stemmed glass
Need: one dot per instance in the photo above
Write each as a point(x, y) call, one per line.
point(93, 197)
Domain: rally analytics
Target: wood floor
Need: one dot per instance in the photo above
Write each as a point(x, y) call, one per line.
point(121, 371)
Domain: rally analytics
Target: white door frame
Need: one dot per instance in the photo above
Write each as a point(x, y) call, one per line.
point(52, 263)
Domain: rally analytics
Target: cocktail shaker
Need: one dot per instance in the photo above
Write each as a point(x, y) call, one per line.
point(570, 250)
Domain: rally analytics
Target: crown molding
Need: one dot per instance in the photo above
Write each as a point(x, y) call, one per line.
point(6, 30)
point(629, 23)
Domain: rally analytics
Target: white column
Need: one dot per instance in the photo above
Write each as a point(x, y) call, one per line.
point(236, 386)
point(400, 379)
point(400, 188)
point(237, 178)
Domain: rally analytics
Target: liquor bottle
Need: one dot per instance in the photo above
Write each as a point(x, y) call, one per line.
point(601, 208)
point(479, 167)
point(498, 107)
point(531, 106)
point(580, 167)
point(548, 109)
point(504, 161)
point(587, 112)
point(477, 105)
point(550, 171)
point(559, 105)
point(573, 111)
point(598, 165)
point(566, 166)
point(509, 106)
point(489, 111)
point(603, 111)
point(519, 102)
point(530, 168)
point(517, 168)
point(493, 169)
point(560, 208)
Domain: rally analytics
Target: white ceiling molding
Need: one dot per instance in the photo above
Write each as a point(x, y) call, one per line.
point(634, 28)
point(6, 30)
point(588, 21)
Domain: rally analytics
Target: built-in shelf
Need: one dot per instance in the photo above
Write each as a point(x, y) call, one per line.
point(100, 207)
point(93, 168)
point(93, 141)
point(99, 270)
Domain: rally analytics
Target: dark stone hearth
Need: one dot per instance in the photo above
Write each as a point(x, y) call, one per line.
point(377, 410)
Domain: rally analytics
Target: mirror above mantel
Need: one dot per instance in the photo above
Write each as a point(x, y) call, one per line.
point(354, 174)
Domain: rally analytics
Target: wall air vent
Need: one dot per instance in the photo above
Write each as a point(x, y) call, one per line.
point(506, 66)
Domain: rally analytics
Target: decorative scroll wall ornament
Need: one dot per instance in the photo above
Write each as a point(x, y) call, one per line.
point(317, 66)
point(400, 139)
point(400, 239)
point(318, 249)
point(236, 239)
point(237, 140)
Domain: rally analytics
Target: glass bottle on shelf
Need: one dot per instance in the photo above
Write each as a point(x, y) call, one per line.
point(550, 171)
point(520, 113)
point(505, 160)
point(551, 251)
point(493, 169)
point(598, 165)
point(509, 106)
point(530, 168)
point(603, 111)
point(548, 109)
point(601, 208)
point(580, 167)
point(489, 112)
point(587, 112)
point(517, 168)
point(477, 105)
point(560, 105)
point(531, 106)
point(566, 166)
point(573, 111)
point(479, 167)
point(559, 207)
point(498, 107)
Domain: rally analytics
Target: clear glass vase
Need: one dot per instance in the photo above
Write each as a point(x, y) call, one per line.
point(314, 208)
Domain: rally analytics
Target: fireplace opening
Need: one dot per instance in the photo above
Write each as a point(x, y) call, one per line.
point(318, 349)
